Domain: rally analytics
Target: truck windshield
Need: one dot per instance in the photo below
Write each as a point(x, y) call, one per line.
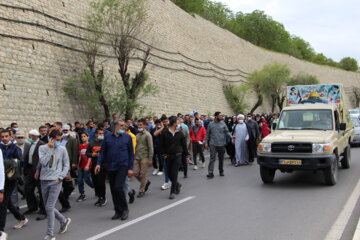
point(306, 120)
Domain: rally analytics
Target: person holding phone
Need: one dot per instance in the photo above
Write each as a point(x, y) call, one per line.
point(53, 169)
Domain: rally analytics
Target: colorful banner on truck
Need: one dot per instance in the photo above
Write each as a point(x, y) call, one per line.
point(328, 94)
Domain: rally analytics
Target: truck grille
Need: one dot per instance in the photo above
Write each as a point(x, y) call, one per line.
point(291, 147)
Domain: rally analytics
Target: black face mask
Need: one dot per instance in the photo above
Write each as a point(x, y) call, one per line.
point(219, 119)
point(198, 125)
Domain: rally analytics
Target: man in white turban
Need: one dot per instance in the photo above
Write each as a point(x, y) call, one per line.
point(241, 137)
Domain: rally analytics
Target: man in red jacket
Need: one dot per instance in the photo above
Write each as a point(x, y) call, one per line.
point(198, 135)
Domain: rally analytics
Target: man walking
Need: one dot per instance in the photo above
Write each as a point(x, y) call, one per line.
point(254, 136)
point(216, 136)
point(143, 157)
point(198, 135)
point(118, 154)
point(54, 164)
point(173, 146)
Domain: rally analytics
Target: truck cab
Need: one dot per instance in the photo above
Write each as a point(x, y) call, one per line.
point(309, 136)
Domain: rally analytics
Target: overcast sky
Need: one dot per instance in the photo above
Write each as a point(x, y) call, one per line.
point(330, 26)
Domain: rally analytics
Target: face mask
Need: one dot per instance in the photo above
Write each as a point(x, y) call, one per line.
point(241, 121)
point(197, 125)
point(178, 127)
point(30, 140)
point(6, 144)
point(121, 131)
point(140, 129)
point(12, 139)
point(57, 144)
point(66, 134)
point(16, 129)
point(249, 118)
point(21, 141)
point(101, 137)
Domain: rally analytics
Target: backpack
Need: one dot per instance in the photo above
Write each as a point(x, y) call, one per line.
point(11, 167)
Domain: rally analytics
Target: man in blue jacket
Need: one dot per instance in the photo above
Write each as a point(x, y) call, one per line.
point(117, 154)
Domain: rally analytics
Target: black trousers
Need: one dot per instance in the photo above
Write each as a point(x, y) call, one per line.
point(158, 161)
point(99, 182)
point(117, 182)
point(7, 204)
point(184, 165)
point(172, 167)
point(68, 188)
point(30, 185)
point(198, 149)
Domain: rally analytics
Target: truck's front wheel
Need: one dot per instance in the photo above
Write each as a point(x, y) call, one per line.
point(345, 161)
point(331, 173)
point(267, 174)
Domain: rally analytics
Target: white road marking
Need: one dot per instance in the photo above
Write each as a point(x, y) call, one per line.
point(357, 232)
point(139, 219)
point(338, 227)
point(23, 206)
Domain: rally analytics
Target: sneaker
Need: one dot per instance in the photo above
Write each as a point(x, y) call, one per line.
point(48, 237)
point(81, 198)
point(21, 223)
point(195, 167)
point(203, 165)
point(160, 173)
point(64, 226)
point(3, 235)
point(97, 202)
point(155, 172)
point(102, 202)
point(166, 186)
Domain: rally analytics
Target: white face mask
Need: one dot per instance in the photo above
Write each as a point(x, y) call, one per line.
point(140, 129)
point(21, 141)
point(241, 121)
point(66, 135)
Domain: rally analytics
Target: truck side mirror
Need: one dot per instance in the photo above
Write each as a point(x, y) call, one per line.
point(342, 126)
point(274, 125)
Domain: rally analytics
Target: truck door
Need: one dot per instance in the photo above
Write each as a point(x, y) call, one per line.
point(341, 134)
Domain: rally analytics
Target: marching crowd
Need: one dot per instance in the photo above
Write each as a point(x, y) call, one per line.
point(44, 165)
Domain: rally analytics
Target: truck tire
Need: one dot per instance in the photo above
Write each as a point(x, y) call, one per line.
point(346, 160)
point(267, 174)
point(331, 173)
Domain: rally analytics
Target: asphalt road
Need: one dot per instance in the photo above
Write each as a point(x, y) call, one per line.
point(237, 206)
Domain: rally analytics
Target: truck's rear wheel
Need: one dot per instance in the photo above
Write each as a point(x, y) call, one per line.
point(267, 174)
point(346, 160)
point(331, 173)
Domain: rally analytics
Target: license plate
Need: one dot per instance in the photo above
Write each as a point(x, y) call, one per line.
point(290, 162)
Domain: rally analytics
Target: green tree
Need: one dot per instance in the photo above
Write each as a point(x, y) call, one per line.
point(255, 82)
point(276, 77)
point(301, 49)
point(125, 21)
point(192, 6)
point(349, 64)
point(235, 96)
point(303, 79)
point(261, 30)
point(217, 13)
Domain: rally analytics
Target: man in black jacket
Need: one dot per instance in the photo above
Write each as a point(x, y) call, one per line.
point(172, 147)
point(31, 160)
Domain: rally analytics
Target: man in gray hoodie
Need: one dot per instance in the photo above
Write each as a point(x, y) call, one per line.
point(54, 168)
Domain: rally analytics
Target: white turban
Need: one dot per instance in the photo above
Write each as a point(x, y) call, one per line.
point(240, 116)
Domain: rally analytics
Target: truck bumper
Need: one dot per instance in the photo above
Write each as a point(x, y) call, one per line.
point(308, 162)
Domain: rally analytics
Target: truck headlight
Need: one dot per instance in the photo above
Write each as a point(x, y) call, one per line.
point(265, 147)
point(321, 148)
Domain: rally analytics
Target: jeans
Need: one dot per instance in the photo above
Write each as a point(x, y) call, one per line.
point(84, 176)
point(117, 182)
point(7, 204)
point(140, 172)
point(220, 151)
point(50, 191)
point(172, 164)
point(198, 149)
point(99, 182)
